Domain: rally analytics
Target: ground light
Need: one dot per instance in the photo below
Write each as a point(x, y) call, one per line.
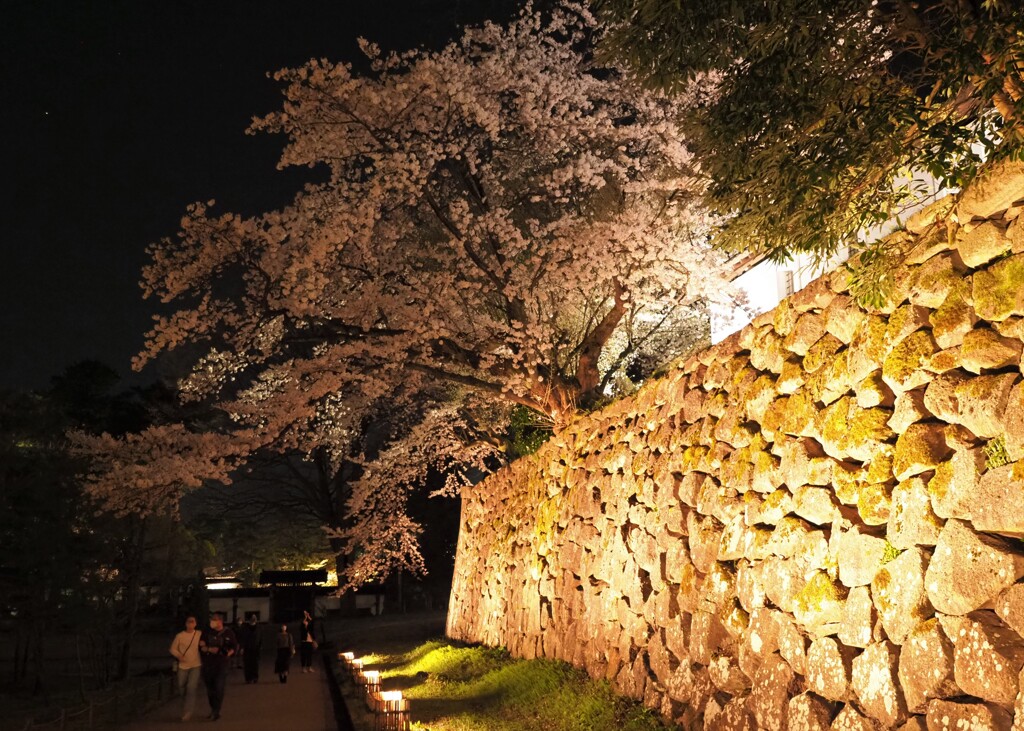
point(390, 711)
point(370, 680)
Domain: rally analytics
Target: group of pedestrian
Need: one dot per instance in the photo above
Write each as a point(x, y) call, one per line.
point(209, 653)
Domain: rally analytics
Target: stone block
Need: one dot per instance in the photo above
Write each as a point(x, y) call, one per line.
point(750, 584)
point(821, 353)
point(933, 280)
point(969, 569)
point(997, 187)
point(944, 361)
point(940, 395)
point(987, 660)
point(782, 579)
point(775, 506)
point(930, 217)
point(982, 244)
point(985, 349)
point(997, 505)
point(1010, 608)
point(767, 353)
point(705, 539)
point(734, 717)
point(982, 402)
point(873, 391)
point(815, 505)
point(860, 557)
point(1013, 423)
point(792, 643)
point(873, 503)
point(842, 318)
point(902, 368)
point(899, 594)
point(953, 485)
point(770, 694)
point(921, 448)
point(859, 618)
point(926, 666)
point(850, 432)
point(875, 684)
point(829, 665)
point(955, 317)
point(807, 330)
point(905, 321)
point(998, 291)
point(850, 719)
point(791, 378)
point(788, 535)
point(726, 675)
point(946, 715)
point(808, 712)
point(909, 409)
point(911, 519)
point(819, 605)
point(707, 635)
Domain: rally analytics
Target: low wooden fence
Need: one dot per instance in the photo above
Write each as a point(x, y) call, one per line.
point(109, 709)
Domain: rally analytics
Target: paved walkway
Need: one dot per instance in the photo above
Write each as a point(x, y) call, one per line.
point(301, 704)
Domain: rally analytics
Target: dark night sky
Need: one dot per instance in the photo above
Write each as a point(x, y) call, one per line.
point(118, 113)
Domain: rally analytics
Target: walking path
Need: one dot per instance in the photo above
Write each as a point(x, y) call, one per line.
point(301, 704)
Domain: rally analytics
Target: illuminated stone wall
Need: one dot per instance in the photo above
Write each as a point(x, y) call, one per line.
point(817, 522)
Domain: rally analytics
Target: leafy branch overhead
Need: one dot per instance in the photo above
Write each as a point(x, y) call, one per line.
point(814, 110)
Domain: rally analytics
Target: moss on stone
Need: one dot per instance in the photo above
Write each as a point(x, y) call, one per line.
point(774, 416)
point(775, 498)
point(955, 316)
point(821, 352)
point(874, 502)
point(879, 469)
point(999, 289)
point(922, 447)
point(818, 593)
point(942, 480)
point(903, 322)
point(932, 281)
point(852, 430)
point(799, 414)
point(906, 359)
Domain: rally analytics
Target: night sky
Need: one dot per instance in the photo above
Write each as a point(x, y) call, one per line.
point(118, 113)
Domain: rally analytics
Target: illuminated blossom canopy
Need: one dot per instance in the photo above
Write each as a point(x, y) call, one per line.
point(500, 220)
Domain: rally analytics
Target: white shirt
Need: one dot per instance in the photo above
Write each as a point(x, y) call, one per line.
point(189, 653)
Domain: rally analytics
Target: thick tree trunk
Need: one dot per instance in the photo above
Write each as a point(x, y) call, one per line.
point(134, 582)
point(347, 601)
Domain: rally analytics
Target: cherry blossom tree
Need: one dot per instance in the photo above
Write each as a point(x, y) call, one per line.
point(501, 222)
point(498, 214)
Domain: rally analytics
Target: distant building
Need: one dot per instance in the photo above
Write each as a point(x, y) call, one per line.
point(283, 595)
point(767, 283)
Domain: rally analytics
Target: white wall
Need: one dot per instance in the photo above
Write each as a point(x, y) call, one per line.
point(766, 284)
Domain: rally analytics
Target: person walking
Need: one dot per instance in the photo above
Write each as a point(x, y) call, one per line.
point(239, 630)
point(252, 645)
point(307, 635)
point(217, 646)
point(185, 650)
point(285, 650)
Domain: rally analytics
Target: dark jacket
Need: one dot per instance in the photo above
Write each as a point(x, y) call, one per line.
point(215, 648)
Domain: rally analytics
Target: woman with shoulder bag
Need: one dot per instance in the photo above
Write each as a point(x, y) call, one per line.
point(185, 650)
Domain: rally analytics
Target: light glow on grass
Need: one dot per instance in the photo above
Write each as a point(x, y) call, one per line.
point(457, 688)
